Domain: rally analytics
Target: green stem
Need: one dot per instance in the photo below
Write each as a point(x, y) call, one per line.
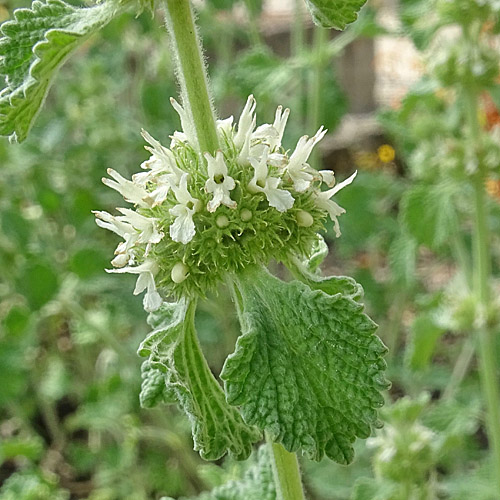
point(191, 73)
point(296, 51)
point(460, 369)
point(254, 25)
point(481, 283)
point(286, 472)
point(317, 80)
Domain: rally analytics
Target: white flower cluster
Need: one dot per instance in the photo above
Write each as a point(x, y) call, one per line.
point(272, 173)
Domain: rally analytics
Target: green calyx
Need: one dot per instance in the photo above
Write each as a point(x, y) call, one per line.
point(229, 240)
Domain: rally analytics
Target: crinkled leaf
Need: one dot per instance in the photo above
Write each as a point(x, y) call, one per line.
point(32, 48)
point(153, 388)
point(173, 348)
point(256, 482)
point(334, 13)
point(331, 285)
point(307, 368)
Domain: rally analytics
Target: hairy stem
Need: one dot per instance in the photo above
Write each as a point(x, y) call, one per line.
point(286, 472)
point(316, 88)
point(191, 73)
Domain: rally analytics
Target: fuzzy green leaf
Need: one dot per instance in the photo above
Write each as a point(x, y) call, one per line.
point(32, 48)
point(308, 367)
point(334, 13)
point(153, 388)
point(173, 348)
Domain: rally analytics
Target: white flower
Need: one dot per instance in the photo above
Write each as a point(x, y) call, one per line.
point(273, 134)
point(133, 228)
point(334, 210)
point(160, 164)
point(131, 192)
point(146, 272)
point(147, 227)
point(219, 183)
point(301, 174)
point(188, 132)
point(246, 123)
point(280, 199)
point(162, 160)
point(225, 127)
point(182, 229)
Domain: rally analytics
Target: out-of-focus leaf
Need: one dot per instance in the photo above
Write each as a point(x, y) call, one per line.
point(39, 283)
point(33, 47)
point(429, 214)
point(334, 13)
point(424, 336)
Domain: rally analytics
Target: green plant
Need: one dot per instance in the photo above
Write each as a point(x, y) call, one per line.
point(216, 207)
point(452, 156)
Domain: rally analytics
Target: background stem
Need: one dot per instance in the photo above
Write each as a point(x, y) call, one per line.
point(481, 284)
point(286, 472)
point(191, 73)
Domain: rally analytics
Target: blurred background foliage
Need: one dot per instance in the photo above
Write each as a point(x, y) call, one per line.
point(71, 425)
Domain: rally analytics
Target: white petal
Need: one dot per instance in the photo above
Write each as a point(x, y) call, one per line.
point(297, 163)
point(280, 119)
point(111, 223)
point(131, 192)
point(187, 127)
point(280, 199)
point(328, 177)
point(225, 127)
point(246, 123)
point(182, 229)
point(342, 185)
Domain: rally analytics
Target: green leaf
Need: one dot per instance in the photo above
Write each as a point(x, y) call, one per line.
point(153, 388)
point(428, 213)
point(402, 259)
point(331, 285)
point(334, 13)
point(308, 367)
point(256, 483)
point(367, 488)
point(32, 48)
point(173, 348)
point(424, 336)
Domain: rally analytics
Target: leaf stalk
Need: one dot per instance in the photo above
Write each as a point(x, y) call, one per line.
point(286, 472)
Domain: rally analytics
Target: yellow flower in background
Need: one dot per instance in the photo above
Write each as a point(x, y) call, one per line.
point(493, 188)
point(386, 153)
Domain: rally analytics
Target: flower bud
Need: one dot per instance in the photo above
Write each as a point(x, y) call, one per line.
point(304, 219)
point(179, 272)
point(246, 215)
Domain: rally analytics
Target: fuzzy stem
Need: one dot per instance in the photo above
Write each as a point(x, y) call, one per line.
point(286, 472)
point(317, 81)
point(191, 73)
point(481, 283)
